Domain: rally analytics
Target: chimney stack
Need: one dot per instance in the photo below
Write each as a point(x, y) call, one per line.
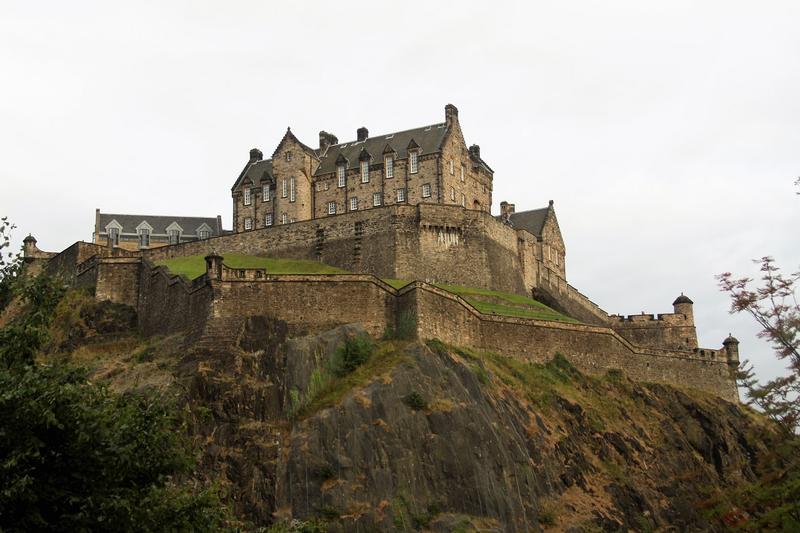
point(475, 152)
point(450, 114)
point(506, 210)
point(325, 140)
point(362, 133)
point(256, 155)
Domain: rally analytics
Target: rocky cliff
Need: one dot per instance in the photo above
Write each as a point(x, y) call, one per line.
point(426, 437)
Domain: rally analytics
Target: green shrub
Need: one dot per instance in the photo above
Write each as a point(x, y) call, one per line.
point(415, 401)
point(355, 351)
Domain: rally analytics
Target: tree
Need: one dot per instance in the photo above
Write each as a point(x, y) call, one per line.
point(774, 307)
point(10, 263)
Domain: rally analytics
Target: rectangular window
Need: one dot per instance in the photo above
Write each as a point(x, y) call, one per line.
point(292, 189)
point(388, 164)
point(451, 167)
point(413, 158)
point(376, 199)
point(113, 236)
point(331, 208)
point(463, 200)
point(462, 173)
point(353, 203)
point(248, 223)
point(340, 174)
point(365, 172)
point(284, 218)
point(284, 188)
point(247, 196)
point(401, 195)
point(265, 194)
point(452, 194)
point(426, 190)
point(319, 186)
point(144, 238)
point(204, 234)
point(174, 236)
point(268, 219)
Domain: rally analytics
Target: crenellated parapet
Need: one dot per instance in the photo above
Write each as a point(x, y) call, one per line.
point(674, 330)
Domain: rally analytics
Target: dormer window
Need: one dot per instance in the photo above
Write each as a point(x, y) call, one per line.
point(413, 162)
point(203, 234)
point(144, 238)
point(388, 165)
point(113, 236)
point(365, 172)
point(340, 175)
point(174, 236)
point(265, 193)
point(247, 198)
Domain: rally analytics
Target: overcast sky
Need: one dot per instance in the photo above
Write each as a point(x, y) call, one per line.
point(667, 134)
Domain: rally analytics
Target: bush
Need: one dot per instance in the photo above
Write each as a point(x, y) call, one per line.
point(80, 458)
point(415, 401)
point(353, 353)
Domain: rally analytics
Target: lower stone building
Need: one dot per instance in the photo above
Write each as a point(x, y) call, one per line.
point(141, 232)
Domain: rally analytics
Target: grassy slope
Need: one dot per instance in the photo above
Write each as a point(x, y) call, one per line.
point(194, 266)
point(512, 304)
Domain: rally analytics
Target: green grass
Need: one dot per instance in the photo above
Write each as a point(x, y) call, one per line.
point(195, 265)
point(396, 283)
point(513, 304)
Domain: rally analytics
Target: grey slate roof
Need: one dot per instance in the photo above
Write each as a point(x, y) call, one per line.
point(428, 138)
point(257, 172)
point(531, 221)
point(159, 223)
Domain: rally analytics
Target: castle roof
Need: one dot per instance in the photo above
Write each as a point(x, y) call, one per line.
point(531, 221)
point(129, 223)
point(427, 138)
point(257, 171)
point(682, 300)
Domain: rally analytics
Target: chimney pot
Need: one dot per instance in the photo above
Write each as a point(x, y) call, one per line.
point(475, 151)
point(450, 114)
point(256, 155)
point(362, 133)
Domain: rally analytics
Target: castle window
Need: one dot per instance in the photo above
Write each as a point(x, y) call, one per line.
point(174, 236)
point(284, 218)
point(413, 162)
point(451, 168)
point(247, 196)
point(401, 195)
point(144, 238)
point(376, 199)
point(353, 203)
point(452, 194)
point(203, 234)
point(340, 174)
point(248, 223)
point(292, 189)
point(284, 188)
point(319, 186)
point(288, 156)
point(113, 236)
point(426, 190)
point(388, 164)
point(265, 193)
point(331, 208)
point(365, 172)
point(462, 174)
point(291, 220)
point(268, 219)
point(463, 200)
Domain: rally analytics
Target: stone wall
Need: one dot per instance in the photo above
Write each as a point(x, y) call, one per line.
point(65, 264)
point(169, 304)
point(668, 330)
point(117, 280)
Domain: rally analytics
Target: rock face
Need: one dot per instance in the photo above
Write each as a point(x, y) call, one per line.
point(428, 437)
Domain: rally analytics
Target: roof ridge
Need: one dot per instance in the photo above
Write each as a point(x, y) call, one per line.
point(437, 124)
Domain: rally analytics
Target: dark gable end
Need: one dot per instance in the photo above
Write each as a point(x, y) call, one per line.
point(428, 139)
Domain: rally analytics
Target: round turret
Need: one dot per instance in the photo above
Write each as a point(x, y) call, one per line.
point(684, 306)
point(29, 248)
point(731, 345)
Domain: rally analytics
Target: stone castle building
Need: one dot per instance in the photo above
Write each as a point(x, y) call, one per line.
point(413, 205)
